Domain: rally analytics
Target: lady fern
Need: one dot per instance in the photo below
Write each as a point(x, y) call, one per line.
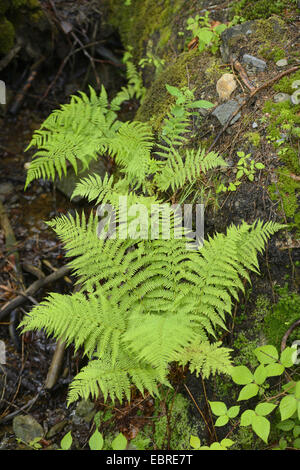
point(144, 301)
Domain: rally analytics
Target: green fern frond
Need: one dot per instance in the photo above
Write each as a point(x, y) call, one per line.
point(206, 359)
point(178, 170)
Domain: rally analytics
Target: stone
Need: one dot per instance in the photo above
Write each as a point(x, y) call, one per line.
point(282, 63)
point(6, 189)
point(254, 62)
point(226, 86)
point(231, 38)
point(296, 84)
point(224, 111)
point(27, 428)
point(85, 410)
point(67, 184)
point(295, 98)
point(281, 97)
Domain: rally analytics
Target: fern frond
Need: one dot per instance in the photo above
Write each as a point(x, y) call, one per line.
point(206, 359)
point(178, 170)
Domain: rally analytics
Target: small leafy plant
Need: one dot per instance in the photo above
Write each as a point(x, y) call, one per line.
point(245, 167)
point(254, 384)
point(206, 35)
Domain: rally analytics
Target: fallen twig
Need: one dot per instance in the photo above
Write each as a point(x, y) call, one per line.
point(20, 299)
point(288, 332)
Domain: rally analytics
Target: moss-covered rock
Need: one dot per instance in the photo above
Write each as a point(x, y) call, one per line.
point(258, 9)
point(7, 35)
point(17, 12)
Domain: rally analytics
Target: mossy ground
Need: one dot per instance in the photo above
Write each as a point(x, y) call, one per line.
point(258, 9)
point(11, 14)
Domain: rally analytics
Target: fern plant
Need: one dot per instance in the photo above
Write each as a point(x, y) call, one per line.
point(144, 302)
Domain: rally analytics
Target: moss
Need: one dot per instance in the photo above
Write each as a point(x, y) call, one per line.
point(140, 21)
point(4, 6)
point(281, 316)
point(7, 35)
point(179, 425)
point(284, 119)
point(254, 138)
point(271, 53)
point(285, 84)
point(257, 9)
point(187, 70)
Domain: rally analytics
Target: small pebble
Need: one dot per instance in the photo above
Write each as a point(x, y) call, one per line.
point(254, 61)
point(295, 98)
point(296, 84)
point(281, 97)
point(282, 63)
point(254, 125)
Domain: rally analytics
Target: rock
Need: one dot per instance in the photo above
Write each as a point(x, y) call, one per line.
point(2, 352)
point(85, 410)
point(224, 111)
point(5, 190)
point(226, 85)
point(232, 37)
point(27, 428)
point(254, 62)
point(295, 98)
point(254, 125)
point(281, 97)
point(56, 428)
point(296, 84)
point(67, 184)
point(282, 63)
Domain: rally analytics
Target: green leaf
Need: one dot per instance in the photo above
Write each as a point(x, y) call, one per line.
point(298, 408)
point(287, 407)
point(239, 174)
point(248, 391)
point(274, 369)
point(297, 443)
point(286, 425)
point(297, 389)
point(216, 446)
point(221, 421)
point(201, 104)
point(296, 431)
point(247, 417)
point(233, 411)
point(261, 426)
point(266, 354)
point(66, 441)
point(260, 374)
point(96, 441)
point(195, 442)
point(173, 91)
point(263, 409)
point(286, 357)
point(119, 442)
point(259, 166)
point(241, 375)
point(226, 442)
point(218, 408)
point(282, 444)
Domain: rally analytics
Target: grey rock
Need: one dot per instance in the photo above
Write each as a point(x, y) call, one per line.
point(282, 63)
point(231, 38)
point(296, 84)
point(295, 98)
point(56, 428)
point(67, 184)
point(224, 111)
point(27, 428)
point(281, 97)
point(254, 125)
point(85, 410)
point(254, 62)
point(6, 189)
